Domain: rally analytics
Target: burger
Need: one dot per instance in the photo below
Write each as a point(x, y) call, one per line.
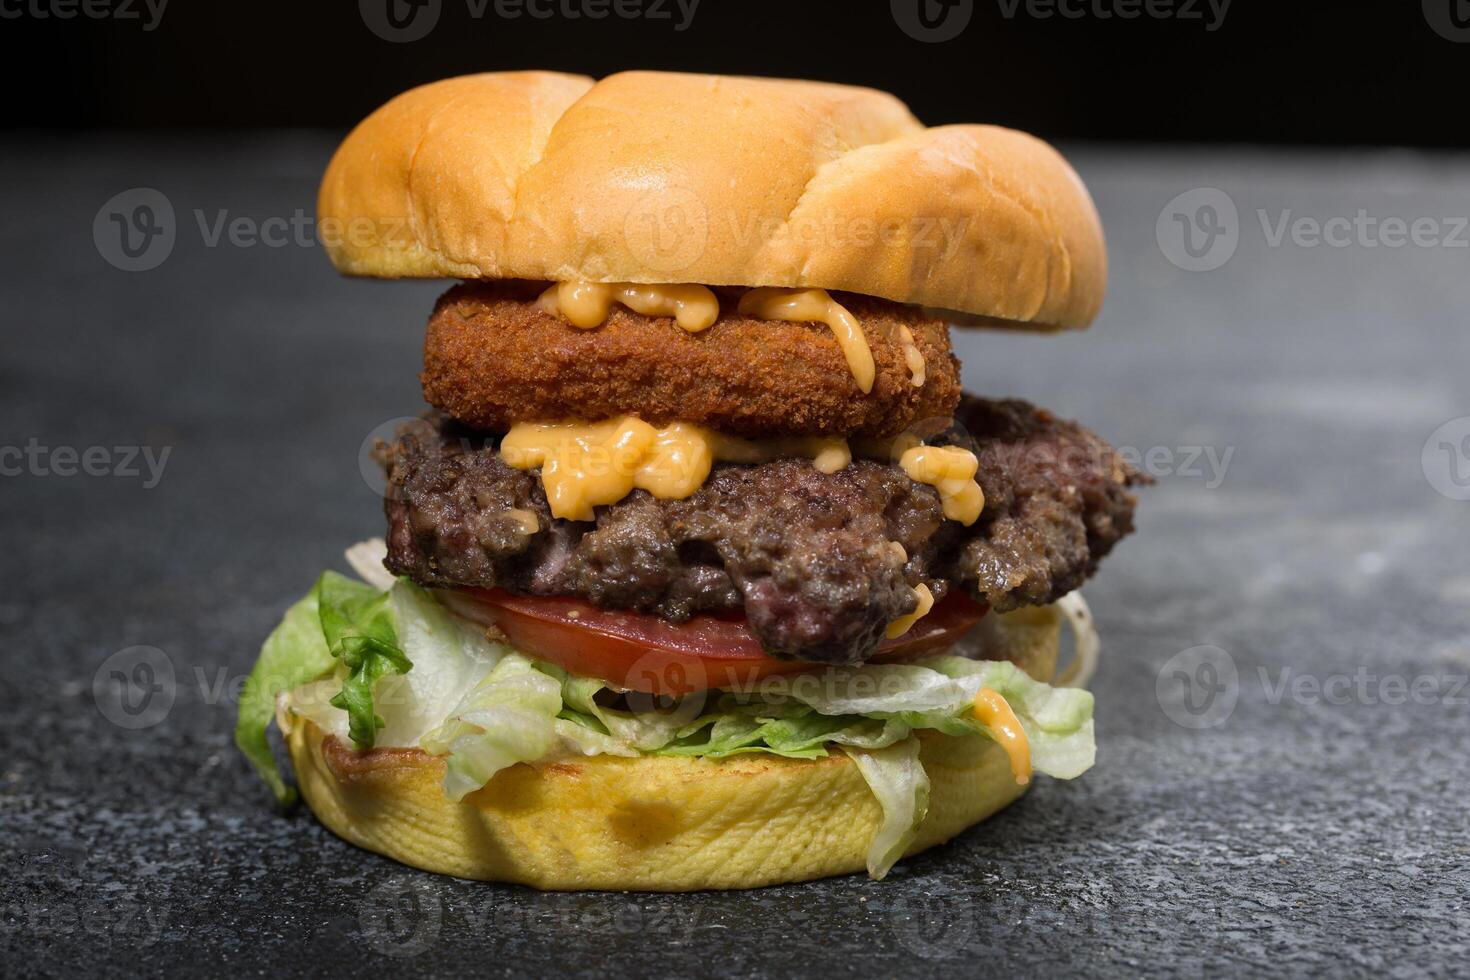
point(701, 571)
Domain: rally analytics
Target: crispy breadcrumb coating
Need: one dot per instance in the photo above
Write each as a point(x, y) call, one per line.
point(492, 357)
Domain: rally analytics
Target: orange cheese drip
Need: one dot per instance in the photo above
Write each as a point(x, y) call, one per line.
point(913, 357)
point(585, 465)
point(815, 306)
point(951, 471)
point(587, 304)
point(903, 624)
point(994, 712)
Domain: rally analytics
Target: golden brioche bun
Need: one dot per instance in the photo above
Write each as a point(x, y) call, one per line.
point(663, 177)
point(656, 823)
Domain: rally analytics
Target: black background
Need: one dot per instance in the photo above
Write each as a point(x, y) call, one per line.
point(1276, 72)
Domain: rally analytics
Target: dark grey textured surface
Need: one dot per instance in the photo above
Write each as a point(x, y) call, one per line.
point(1290, 837)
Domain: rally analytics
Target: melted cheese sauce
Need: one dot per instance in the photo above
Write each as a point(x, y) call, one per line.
point(913, 357)
point(951, 471)
point(695, 308)
point(827, 455)
point(585, 465)
point(815, 306)
point(903, 624)
point(994, 712)
point(525, 520)
point(587, 304)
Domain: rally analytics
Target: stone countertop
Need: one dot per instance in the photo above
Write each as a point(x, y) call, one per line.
point(1302, 561)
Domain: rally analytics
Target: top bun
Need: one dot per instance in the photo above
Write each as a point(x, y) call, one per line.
point(660, 177)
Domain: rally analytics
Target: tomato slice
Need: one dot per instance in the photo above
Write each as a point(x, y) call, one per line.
point(639, 652)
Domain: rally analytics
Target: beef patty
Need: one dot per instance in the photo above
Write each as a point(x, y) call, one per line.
point(492, 357)
point(807, 555)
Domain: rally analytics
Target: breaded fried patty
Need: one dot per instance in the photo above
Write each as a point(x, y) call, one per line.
point(492, 357)
point(805, 554)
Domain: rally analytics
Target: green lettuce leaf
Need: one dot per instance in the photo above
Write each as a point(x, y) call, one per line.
point(938, 693)
point(399, 668)
point(292, 655)
point(450, 656)
point(509, 717)
point(357, 622)
point(791, 730)
point(901, 786)
point(1057, 720)
point(646, 731)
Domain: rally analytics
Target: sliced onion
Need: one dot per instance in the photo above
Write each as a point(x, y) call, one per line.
point(1086, 645)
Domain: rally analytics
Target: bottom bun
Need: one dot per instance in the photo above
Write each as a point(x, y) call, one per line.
point(657, 823)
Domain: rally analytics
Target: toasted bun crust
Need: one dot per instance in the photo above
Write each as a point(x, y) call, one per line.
point(662, 177)
point(652, 823)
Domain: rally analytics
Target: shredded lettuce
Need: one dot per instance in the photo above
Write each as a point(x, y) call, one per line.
point(938, 692)
point(645, 731)
point(298, 661)
point(1057, 720)
point(508, 717)
point(450, 656)
point(357, 622)
point(901, 786)
point(293, 654)
point(396, 667)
